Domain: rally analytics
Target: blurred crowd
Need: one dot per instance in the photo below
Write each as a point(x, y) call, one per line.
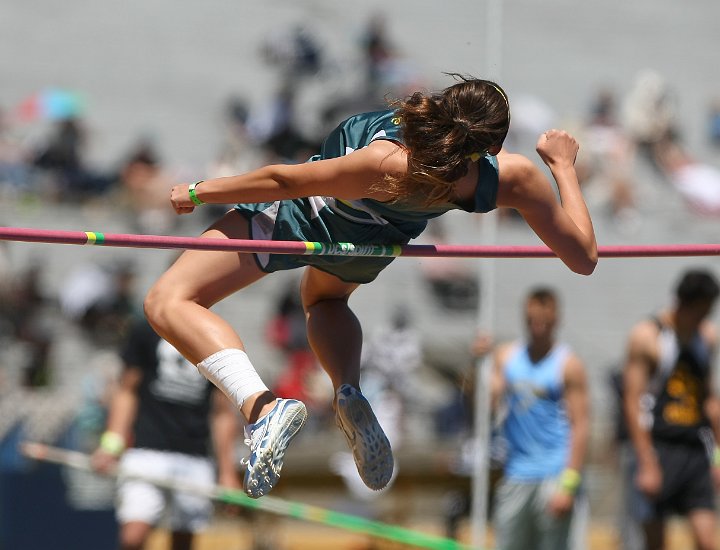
point(418, 395)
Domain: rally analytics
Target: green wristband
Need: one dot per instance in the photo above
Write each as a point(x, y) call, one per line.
point(193, 195)
point(112, 443)
point(570, 480)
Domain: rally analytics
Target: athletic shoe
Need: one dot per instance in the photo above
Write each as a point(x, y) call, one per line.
point(268, 439)
point(369, 444)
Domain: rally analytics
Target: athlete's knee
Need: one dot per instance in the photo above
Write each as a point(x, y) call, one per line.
point(310, 302)
point(318, 288)
point(157, 305)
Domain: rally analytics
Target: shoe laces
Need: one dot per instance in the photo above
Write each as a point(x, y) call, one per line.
point(249, 440)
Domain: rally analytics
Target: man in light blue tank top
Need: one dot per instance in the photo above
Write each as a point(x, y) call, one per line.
point(540, 387)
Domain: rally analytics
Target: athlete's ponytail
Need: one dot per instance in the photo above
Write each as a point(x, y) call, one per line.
point(443, 132)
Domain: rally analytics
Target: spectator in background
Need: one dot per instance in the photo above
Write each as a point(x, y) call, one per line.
point(377, 50)
point(14, 156)
point(607, 159)
point(296, 51)
point(274, 126)
point(166, 413)
point(541, 385)
point(142, 174)
point(25, 313)
point(697, 182)
point(62, 156)
point(100, 300)
point(453, 286)
point(714, 123)
point(672, 414)
point(649, 114)
point(301, 377)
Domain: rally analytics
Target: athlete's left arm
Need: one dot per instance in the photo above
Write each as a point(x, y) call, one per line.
point(565, 226)
point(348, 177)
point(712, 401)
point(577, 409)
point(224, 426)
point(577, 404)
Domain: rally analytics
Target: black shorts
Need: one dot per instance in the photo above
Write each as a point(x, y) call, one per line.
point(687, 482)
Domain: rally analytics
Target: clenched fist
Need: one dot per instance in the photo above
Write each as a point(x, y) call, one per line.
point(180, 199)
point(557, 148)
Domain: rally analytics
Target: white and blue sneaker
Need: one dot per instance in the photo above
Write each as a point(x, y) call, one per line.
point(367, 440)
point(268, 439)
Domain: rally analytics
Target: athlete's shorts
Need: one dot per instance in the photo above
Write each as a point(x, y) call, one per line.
point(687, 483)
point(522, 520)
point(141, 501)
point(310, 219)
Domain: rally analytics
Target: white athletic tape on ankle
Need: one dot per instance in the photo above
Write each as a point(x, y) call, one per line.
point(232, 372)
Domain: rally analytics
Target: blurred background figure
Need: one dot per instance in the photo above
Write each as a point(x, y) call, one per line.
point(61, 156)
point(295, 51)
point(300, 375)
point(377, 51)
point(649, 114)
point(697, 182)
point(164, 421)
point(14, 157)
point(606, 161)
point(144, 185)
point(540, 386)
point(451, 282)
point(673, 415)
point(101, 300)
point(27, 316)
point(714, 123)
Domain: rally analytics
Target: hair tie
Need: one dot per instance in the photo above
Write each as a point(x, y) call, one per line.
point(474, 157)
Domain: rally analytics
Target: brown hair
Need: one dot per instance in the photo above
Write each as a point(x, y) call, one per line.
point(441, 131)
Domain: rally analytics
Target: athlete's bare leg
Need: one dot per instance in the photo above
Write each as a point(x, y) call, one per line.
point(334, 332)
point(177, 306)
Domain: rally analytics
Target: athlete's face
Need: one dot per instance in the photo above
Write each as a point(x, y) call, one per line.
point(541, 319)
point(696, 312)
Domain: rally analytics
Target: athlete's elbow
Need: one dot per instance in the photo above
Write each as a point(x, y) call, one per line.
point(586, 265)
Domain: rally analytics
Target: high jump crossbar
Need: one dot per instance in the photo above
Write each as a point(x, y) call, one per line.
point(338, 249)
point(274, 505)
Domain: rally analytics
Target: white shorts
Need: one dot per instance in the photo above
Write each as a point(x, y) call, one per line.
point(138, 500)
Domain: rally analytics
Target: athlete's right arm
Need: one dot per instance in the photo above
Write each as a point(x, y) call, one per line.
point(348, 177)
point(497, 376)
point(636, 375)
point(121, 416)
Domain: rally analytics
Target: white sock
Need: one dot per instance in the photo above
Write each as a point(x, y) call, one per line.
point(232, 372)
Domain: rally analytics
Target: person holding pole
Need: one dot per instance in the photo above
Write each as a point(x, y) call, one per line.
point(378, 179)
point(162, 420)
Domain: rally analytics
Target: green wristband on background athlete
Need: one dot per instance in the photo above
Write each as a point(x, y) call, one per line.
point(570, 481)
point(112, 443)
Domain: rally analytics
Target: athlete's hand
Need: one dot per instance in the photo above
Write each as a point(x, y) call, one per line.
point(103, 462)
point(560, 503)
point(716, 477)
point(229, 480)
point(649, 478)
point(557, 148)
point(180, 199)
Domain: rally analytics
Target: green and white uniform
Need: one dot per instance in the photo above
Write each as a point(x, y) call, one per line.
point(363, 221)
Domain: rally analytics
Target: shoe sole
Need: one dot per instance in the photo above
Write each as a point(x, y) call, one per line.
point(265, 473)
point(368, 442)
